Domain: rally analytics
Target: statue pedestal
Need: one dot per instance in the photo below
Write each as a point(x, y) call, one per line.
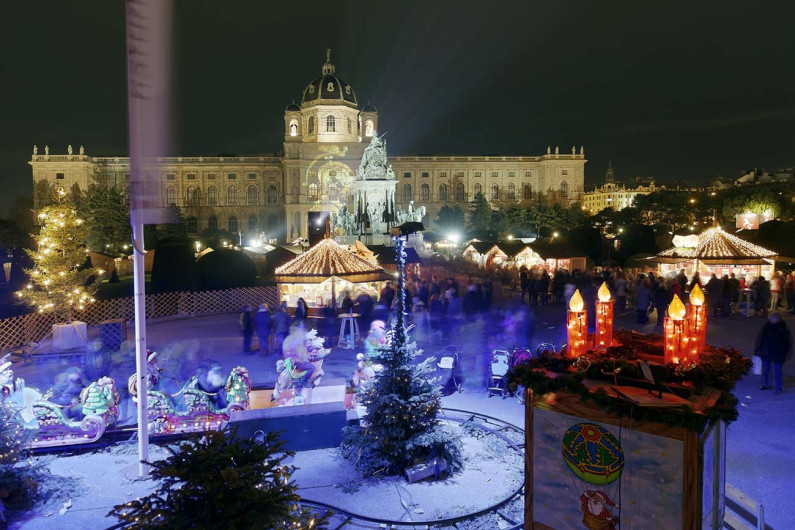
point(69, 336)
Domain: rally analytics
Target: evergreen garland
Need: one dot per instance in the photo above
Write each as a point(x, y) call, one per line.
point(401, 428)
point(216, 480)
point(718, 368)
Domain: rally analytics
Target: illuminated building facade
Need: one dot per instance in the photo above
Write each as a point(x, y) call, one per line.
point(324, 138)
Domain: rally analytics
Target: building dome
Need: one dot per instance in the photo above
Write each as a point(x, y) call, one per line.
point(369, 108)
point(292, 107)
point(328, 88)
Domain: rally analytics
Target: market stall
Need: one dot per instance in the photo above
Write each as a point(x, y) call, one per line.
point(324, 272)
point(715, 251)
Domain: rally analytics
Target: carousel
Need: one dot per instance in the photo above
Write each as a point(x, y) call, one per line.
point(322, 273)
point(715, 251)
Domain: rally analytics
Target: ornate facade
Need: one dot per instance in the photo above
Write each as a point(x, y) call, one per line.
point(324, 140)
point(613, 195)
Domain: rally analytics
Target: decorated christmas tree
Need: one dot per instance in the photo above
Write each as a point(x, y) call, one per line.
point(58, 283)
point(17, 482)
point(401, 427)
point(217, 480)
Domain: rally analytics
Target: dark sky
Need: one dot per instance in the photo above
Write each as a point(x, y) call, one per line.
point(674, 90)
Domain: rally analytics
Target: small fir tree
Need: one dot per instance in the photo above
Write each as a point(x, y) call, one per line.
point(401, 428)
point(17, 480)
point(57, 283)
point(217, 480)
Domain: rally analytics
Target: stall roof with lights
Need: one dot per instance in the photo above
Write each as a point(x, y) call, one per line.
point(717, 246)
point(327, 260)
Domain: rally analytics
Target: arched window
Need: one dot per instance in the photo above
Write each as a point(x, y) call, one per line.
point(511, 191)
point(171, 196)
point(495, 192)
point(192, 196)
point(233, 223)
point(350, 126)
point(331, 124)
point(192, 225)
point(252, 196)
point(442, 192)
point(407, 192)
point(293, 127)
point(478, 189)
point(527, 192)
point(212, 223)
point(273, 197)
point(368, 128)
point(564, 189)
point(231, 196)
point(425, 192)
point(311, 124)
point(212, 196)
point(333, 192)
point(460, 192)
point(313, 192)
point(253, 225)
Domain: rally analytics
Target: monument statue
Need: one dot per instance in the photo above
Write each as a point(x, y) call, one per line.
point(69, 149)
point(373, 164)
point(35, 150)
point(82, 150)
point(46, 149)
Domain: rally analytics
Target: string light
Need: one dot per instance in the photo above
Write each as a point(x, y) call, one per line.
point(715, 243)
point(325, 259)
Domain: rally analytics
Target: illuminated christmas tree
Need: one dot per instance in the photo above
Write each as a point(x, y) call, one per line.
point(401, 428)
point(58, 283)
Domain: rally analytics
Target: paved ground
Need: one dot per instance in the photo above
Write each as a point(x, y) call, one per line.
point(759, 459)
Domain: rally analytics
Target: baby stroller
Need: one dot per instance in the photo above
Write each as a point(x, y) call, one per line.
point(498, 369)
point(541, 348)
point(447, 364)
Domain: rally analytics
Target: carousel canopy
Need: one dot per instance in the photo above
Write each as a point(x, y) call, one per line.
point(716, 246)
point(328, 260)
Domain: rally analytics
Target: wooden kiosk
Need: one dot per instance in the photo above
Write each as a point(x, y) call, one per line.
point(609, 447)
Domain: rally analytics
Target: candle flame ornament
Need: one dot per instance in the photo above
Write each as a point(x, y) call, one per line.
point(604, 319)
point(675, 338)
point(577, 326)
point(697, 323)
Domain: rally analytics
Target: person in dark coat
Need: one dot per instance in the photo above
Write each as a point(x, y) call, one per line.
point(773, 346)
point(387, 294)
point(301, 313)
point(762, 288)
point(715, 293)
point(281, 326)
point(662, 299)
point(247, 327)
point(263, 324)
point(524, 283)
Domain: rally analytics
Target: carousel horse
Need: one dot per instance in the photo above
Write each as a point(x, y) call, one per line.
point(302, 365)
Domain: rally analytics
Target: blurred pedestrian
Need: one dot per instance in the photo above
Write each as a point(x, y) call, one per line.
point(281, 326)
point(246, 322)
point(301, 313)
point(264, 324)
point(773, 346)
point(714, 293)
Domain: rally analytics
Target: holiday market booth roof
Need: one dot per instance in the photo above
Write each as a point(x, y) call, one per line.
point(715, 246)
point(327, 260)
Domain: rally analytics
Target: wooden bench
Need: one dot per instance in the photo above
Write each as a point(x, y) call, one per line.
point(742, 512)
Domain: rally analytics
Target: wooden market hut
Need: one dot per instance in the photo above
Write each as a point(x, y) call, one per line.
point(321, 272)
point(716, 251)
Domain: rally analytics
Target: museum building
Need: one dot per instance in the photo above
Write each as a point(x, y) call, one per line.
point(324, 139)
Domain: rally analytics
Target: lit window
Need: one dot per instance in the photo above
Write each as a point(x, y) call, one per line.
point(564, 189)
point(252, 176)
point(527, 192)
point(407, 192)
point(368, 128)
point(210, 176)
point(59, 176)
point(171, 196)
point(252, 196)
point(232, 223)
point(460, 192)
point(511, 191)
point(478, 174)
point(191, 176)
point(495, 174)
point(273, 197)
point(333, 192)
point(459, 175)
point(212, 196)
point(495, 192)
point(232, 176)
point(425, 174)
point(212, 223)
point(442, 174)
point(192, 196)
point(193, 225)
point(293, 127)
point(478, 189)
point(311, 124)
point(564, 171)
point(313, 192)
point(442, 192)
point(253, 225)
point(231, 196)
point(170, 176)
point(331, 124)
point(425, 192)
point(350, 124)
point(406, 175)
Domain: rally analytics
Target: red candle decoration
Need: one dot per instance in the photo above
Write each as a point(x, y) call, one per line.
point(604, 319)
point(676, 339)
point(577, 326)
point(697, 323)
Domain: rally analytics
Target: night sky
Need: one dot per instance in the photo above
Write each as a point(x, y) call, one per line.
point(681, 91)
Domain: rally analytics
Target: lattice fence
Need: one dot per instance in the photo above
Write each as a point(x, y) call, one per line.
point(20, 330)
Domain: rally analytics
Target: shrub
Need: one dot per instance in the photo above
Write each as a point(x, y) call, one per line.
point(226, 268)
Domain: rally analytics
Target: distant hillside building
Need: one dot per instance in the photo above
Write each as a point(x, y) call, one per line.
point(764, 177)
point(324, 138)
point(616, 196)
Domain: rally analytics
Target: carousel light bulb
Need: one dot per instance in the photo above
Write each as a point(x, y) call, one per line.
point(604, 293)
point(576, 304)
point(697, 295)
point(677, 309)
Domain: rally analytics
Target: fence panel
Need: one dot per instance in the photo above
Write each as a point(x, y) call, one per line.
point(35, 327)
